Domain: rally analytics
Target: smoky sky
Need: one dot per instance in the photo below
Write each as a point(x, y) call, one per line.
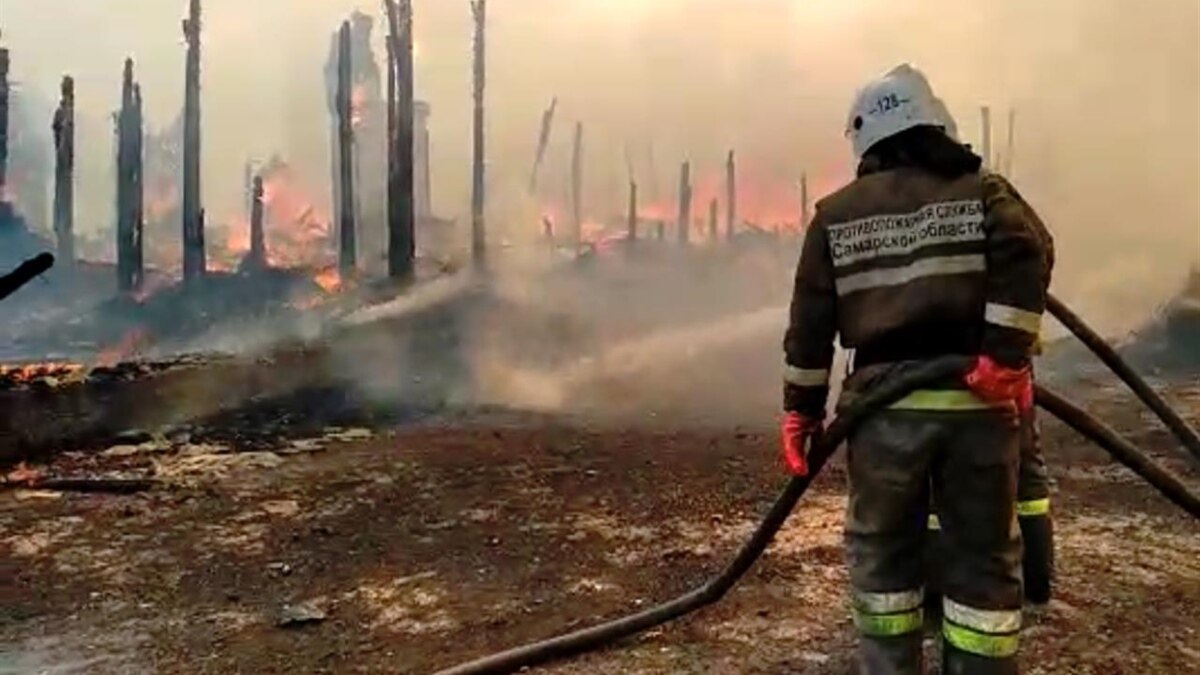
point(1106, 92)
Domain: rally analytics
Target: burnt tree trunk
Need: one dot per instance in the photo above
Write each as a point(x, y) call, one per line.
point(631, 233)
point(730, 195)
point(3, 125)
point(401, 161)
point(347, 246)
point(257, 259)
point(685, 204)
point(1009, 147)
point(985, 143)
point(128, 151)
point(478, 234)
point(193, 224)
point(804, 218)
point(138, 192)
point(64, 173)
point(543, 144)
point(712, 220)
point(577, 188)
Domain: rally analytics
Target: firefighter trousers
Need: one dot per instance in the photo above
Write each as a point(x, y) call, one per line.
point(1033, 514)
point(948, 447)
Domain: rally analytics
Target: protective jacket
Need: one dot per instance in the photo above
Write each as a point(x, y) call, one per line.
point(901, 265)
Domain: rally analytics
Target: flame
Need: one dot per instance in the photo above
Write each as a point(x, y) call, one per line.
point(23, 475)
point(766, 199)
point(33, 372)
point(329, 279)
point(130, 344)
point(297, 229)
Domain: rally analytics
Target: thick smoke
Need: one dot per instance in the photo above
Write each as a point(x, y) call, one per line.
point(1107, 93)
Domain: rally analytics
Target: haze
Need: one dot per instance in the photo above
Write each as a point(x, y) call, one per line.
point(1107, 94)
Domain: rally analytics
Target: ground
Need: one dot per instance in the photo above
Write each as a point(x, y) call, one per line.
point(429, 543)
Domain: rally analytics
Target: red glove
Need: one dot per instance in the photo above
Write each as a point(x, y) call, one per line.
point(995, 383)
point(797, 431)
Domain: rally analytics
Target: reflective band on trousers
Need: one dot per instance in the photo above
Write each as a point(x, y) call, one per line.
point(952, 399)
point(934, 522)
point(889, 625)
point(806, 377)
point(887, 614)
point(1013, 317)
point(886, 603)
point(986, 632)
point(898, 276)
point(981, 644)
point(1033, 507)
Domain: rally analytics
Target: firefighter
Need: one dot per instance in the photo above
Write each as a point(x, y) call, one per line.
point(922, 256)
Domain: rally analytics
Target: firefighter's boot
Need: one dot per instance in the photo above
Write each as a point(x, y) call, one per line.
point(1033, 513)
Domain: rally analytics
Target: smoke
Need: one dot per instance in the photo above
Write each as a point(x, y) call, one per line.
point(1106, 91)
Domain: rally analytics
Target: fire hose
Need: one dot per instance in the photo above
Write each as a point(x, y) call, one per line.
point(825, 446)
point(27, 271)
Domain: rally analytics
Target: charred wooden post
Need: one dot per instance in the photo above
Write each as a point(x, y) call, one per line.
point(478, 235)
point(257, 258)
point(126, 181)
point(684, 221)
point(712, 220)
point(64, 173)
point(347, 245)
point(986, 140)
point(248, 186)
point(1009, 146)
point(543, 144)
point(193, 226)
point(803, 200)
point(401, 160)
point(577, 188)
point(138, 192)
point(3, 125)
point(730, 195)
point(632, 224)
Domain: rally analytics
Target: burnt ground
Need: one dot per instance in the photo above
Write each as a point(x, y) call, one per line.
point(428, 541)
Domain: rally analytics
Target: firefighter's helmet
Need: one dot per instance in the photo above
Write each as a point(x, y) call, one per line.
point(900, 100)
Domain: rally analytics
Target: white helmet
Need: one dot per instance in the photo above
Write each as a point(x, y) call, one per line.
point(900, 100)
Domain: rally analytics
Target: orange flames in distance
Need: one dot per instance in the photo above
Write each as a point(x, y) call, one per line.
point(296, 231)
point(765, 201)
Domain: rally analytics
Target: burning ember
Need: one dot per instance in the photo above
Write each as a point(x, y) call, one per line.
point(23, 475)
point(329, 279)
point(50, 373)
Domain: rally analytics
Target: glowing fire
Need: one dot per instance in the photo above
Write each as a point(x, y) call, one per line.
point(129, 345)
point(296, 229)
point(40, 372)
point(764, 200)
point(329, 279)
point(23, 475)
